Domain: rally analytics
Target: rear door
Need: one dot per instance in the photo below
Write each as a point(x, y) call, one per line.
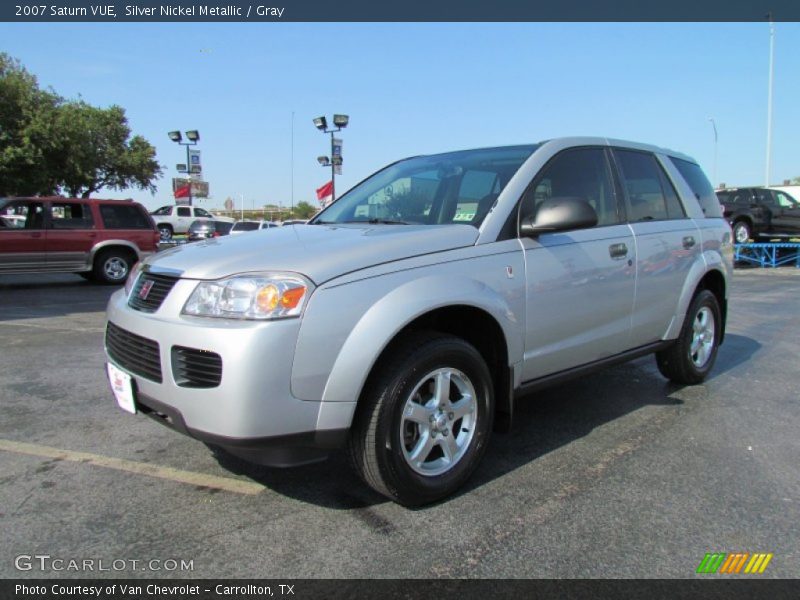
point(579, 284)
point(667, 242)
point(71, 234)
point(22, 237)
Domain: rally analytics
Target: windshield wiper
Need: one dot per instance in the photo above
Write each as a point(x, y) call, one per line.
point(386, 222)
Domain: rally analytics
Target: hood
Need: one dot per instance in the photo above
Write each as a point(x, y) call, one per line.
point(320, 252)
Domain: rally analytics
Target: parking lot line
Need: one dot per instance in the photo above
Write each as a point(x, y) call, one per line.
point(211, 481)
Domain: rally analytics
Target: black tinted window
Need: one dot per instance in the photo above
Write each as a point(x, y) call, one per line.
point(702, 188)
point(246, 226)
point(582, 173)
point(124, 216)
point(645, 188)
point(184, 211)
point(70, 215)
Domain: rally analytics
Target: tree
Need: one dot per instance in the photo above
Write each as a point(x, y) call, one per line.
point(48, 144)
point(304, 210)
point(95, 151)
point(25, 112)
point(796, 181)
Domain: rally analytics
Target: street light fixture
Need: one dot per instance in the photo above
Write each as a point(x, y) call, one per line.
point(193, 136)
point(335, 160)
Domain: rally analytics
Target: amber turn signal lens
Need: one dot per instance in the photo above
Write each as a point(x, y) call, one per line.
point(291, 297)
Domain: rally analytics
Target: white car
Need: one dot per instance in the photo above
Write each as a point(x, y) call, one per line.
point(245, 226)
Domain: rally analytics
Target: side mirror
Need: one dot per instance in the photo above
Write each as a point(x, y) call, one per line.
point(559, 214)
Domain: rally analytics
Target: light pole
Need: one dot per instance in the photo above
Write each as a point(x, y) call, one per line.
point(339, 122)
point(193, 136)
point(769, 97)
point(714, 125)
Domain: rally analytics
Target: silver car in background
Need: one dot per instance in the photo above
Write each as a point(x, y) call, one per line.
point(408, 318)
point(245, 226)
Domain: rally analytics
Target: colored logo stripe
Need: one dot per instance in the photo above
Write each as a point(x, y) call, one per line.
point(722, 562)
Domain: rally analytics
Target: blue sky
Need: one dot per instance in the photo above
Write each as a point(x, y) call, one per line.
point(422, 88)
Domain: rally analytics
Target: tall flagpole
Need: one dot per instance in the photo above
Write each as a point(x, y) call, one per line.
point(292, 168)
point(769, 98)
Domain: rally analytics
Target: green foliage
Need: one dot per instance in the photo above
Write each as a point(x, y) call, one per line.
point(796, 181)
point(48, 144)
point(304, 210)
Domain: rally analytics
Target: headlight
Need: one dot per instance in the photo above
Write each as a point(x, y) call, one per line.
point(267, 296)
point(137, 268)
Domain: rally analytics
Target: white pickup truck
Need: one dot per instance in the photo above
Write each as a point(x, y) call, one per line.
point(177, 219)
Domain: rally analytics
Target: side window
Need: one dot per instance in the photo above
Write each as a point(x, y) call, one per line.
point(581, 173)
point(71, 215)
point(743, 198)
point(643, 188)
point(764, 197)
point(124, 216)
point(164, 211)
point(184, 211)
point(22, 215)
point(702, 188)
point(200, 212)
point(784, 200)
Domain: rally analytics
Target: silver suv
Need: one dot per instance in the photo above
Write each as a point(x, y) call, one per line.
point(405, 321)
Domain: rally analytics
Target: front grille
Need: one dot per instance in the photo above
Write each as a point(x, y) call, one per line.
point(194, 368)
point(161, 285)
point(134, 353)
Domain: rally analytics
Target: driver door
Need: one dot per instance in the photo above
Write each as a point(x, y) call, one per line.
point(579, 284)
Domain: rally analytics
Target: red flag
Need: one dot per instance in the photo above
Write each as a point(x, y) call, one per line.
point(183, 192)
point(326, 191)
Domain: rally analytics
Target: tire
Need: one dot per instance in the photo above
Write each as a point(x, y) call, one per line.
point(400, 415)
point(112, 267)
point(742, 232)
point(691, 357)
point(165, 231)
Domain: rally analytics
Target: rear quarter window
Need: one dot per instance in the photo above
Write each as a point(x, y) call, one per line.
point(702, 188)
point(124, 216)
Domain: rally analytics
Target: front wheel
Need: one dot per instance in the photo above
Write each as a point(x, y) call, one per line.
point(690, 358)
point(165, 232)
point(424, 420)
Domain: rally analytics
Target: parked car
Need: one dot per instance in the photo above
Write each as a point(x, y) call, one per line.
point(202, 229)
point(410, 316)
point(245, 226)
point(98, 239)
point(172, 220)
point(756, 212)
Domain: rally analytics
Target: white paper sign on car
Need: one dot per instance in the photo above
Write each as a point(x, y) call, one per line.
point(122, 388)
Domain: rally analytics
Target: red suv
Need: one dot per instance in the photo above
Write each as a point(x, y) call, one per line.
point(98, 239)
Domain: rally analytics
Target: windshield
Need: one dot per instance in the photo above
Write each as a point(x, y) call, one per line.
point(454, 188)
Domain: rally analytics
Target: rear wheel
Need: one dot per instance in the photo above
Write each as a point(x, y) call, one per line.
point(425, 419)
point(112, 266)
point(690, 358)
point(742, 232)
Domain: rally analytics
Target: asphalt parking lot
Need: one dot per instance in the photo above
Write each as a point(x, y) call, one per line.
point(619, 474)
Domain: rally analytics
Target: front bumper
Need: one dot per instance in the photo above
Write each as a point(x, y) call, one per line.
point(251, 412)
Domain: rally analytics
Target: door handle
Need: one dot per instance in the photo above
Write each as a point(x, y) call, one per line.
point(36, 234)
point(688, 241)
point(618, 251)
